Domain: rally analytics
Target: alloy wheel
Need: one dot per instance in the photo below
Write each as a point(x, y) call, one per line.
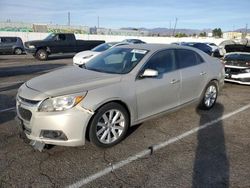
point(110, 126)
point(210, 96)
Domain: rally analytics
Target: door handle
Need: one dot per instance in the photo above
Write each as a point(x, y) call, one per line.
point(203, 73)
point(174, 81)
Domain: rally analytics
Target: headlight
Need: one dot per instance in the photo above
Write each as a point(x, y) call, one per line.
point(31, 46)
point(247, 70)
point(60, 103)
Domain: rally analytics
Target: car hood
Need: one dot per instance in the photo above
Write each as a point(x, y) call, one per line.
point(32, 42)
point(71, 80)
point(82, 57)
point(86, 53)
point(238, 63)
point(36, 42)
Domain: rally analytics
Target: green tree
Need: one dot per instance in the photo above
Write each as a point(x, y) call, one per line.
point(203, 34)
point(179, 35)
point(217, 32)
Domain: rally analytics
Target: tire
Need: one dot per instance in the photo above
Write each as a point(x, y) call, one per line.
point(18, 51)
point(209, 96)
point(102, 132)
point(42, 55)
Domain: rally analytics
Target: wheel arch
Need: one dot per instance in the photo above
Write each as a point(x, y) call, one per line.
point(47, 49)
point(16, 47)
point(118, 101)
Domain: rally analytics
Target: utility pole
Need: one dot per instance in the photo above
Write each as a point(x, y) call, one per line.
point(68, 18)
point(176, 20)
point(98, 22)
point(170, 25)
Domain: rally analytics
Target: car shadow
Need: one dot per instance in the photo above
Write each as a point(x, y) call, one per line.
point(132, 129)
point(211, 165)
point(63, 56)
point(7, 102)
point(29, 69)
point(14, 86)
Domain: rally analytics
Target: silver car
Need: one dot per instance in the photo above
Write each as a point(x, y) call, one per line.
point(119, 88)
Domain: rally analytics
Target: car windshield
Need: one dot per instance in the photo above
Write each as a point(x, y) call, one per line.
point(102, 47)
point(237, 57)
point(50, 36)
point(116, 60)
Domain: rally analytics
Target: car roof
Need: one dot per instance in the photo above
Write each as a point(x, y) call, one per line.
point(155, 47)
point(8, 37)
point(113, 43)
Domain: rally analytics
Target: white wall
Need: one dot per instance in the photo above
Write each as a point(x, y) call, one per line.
point(111, 38)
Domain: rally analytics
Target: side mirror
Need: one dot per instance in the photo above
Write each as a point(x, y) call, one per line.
point(150, 73)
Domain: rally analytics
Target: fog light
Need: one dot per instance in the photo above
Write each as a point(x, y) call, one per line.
point(58, 135)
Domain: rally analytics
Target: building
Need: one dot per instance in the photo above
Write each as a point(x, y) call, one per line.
point(232, 35)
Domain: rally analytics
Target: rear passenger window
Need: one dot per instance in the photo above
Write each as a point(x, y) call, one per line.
point(162, 61)
point(8, 39)
point(199, 59)
point(188, 58)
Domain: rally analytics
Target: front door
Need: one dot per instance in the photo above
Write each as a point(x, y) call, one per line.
point(161, 93)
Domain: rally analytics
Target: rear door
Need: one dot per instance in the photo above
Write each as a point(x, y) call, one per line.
point(7, 44)
point(1, 45)
point(193, 74)
point(161, 93)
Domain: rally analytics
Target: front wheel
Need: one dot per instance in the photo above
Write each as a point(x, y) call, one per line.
point(209, 96)
point(109, 125)
point(42, 55)
point(18, 51)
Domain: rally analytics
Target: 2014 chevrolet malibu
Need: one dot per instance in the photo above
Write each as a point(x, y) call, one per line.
point(115, 90)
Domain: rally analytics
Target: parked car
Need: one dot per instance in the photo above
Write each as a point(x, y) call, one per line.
point(216, 50)
point(201, 46)
point(212, 45)
point(237, 48)
point(237, 67)
point(134, 41)
point(117, 89)
point(59, 43)
point(83, 57)
point(11, 45)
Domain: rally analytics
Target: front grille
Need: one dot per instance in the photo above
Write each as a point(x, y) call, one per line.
point(233, 70)
point(33, 102)
point(24, 113)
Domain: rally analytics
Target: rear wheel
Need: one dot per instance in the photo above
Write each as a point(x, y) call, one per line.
point(109, 125)
point(42, 55)
point(209, 96)
point(18, 51)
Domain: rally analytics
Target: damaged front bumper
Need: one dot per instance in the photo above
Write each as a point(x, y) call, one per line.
point(65, 128)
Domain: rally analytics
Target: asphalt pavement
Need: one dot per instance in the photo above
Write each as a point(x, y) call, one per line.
point(187, 148)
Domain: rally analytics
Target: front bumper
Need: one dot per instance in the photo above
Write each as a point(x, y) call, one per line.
point(72, 123)
point(31, 50)
point(77, 61)
point(243, 78)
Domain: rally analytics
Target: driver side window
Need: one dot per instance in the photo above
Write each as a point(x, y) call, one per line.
point(61, 37)
point(163, 62)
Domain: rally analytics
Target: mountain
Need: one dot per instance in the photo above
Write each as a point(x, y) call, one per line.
point(167, 31)
point(242, 30)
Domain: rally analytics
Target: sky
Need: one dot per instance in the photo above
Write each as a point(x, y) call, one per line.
point(190, 14)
